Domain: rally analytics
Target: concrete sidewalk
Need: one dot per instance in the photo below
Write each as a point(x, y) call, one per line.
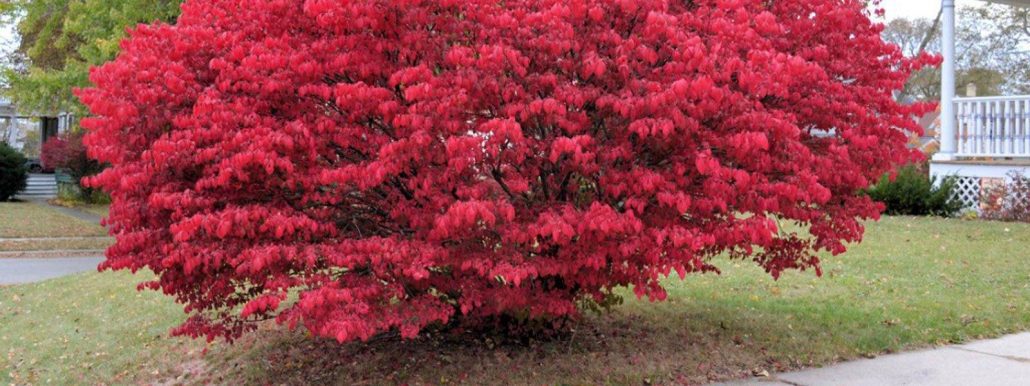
point(1004, 361)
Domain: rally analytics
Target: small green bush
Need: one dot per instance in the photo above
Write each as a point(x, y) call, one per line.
point(14, 174)
point(914, 193)
point(69, 191)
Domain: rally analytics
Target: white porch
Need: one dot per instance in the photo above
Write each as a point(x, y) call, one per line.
point(983, 139)
point(14, 124)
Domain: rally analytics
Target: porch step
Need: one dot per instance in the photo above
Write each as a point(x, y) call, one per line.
point(40, 186)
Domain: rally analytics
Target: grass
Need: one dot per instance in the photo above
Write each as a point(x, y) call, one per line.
point(31, 220)
point(101, 210)
point(85, 329)
point(914, 283)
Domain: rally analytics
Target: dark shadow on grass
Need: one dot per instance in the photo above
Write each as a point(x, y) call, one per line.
point(677, 344)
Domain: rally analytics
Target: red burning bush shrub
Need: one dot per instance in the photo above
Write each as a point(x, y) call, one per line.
point(400, 164)
point(68, 153)
point(55, 152)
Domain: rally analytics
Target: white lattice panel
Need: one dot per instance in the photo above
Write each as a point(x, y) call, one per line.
point(967, 189)
point(1019, 195)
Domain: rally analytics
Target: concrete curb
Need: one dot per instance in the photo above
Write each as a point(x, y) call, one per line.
point(50, 254)
point(32, 239)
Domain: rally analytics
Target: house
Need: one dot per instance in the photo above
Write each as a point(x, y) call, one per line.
point(928, 142)
point(28, 131)
point(982, 139)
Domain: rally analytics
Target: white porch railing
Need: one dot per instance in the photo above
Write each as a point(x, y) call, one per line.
point(993, 126)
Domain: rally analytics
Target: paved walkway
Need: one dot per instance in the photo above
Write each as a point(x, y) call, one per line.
point(1001, 362)
point(79, 214)
point(20, 271)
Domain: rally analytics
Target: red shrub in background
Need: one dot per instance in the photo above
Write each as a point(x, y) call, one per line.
point(68, 153)
point(407, 163)
point(1009, 201)
point(55, 152)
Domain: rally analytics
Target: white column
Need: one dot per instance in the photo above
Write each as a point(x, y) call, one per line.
point(12, 127)
point(948, 124)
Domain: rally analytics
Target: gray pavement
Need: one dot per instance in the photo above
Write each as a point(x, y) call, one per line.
point(20, 271)
point(1002, 362)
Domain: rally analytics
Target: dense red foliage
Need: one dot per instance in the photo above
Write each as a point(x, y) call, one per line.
point(401, 163)
point(68, 153)
point(55, 152)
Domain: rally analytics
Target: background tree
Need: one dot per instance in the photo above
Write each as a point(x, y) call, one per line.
point(1015, 21)
point(992, 51)
point(61, 39)
point(9, 57)
point(361, 167)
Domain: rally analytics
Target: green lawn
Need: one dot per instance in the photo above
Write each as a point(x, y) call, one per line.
point(27, 219)
point(913, 283)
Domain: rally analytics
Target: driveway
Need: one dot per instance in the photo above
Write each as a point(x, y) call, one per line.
point(20, 271)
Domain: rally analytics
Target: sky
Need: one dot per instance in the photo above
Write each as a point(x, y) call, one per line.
point(6, 38)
